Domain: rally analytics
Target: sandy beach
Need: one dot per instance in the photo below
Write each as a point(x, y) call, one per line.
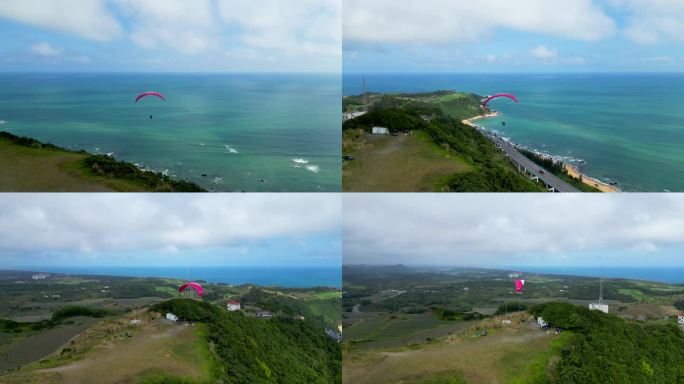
point(572, 171)
point(486, 116)
point(600, 185)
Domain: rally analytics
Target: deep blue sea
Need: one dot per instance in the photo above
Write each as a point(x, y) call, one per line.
point(624, 128)
point(300, 277)
point(673, 275)
point(226, 132)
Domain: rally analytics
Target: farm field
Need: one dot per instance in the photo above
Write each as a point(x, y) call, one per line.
point(446, 325)
point(63, 328)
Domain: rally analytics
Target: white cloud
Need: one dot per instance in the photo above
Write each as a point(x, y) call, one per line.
point(81, 59)
point(543, 53)
point(303, 26)
point(577, 60)
point(658, 59)
point(88, 19)
point(653, 21)
point(44, 49)
point(267, 34)
point(137, 222)
point(404, 21)
point(187, 26)
point(480, 229)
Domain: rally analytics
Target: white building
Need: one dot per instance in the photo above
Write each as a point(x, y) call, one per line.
point(680, 319)
point(599, 307)
point(40, 276)
point(381, 131)
point(352, 115)
point(171, 316)
point(233, 305)
point(541, 322)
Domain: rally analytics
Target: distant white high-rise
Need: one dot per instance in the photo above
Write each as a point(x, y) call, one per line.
point(40, 276)
point(680, 319)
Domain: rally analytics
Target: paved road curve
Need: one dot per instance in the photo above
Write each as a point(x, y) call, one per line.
point(528, 166)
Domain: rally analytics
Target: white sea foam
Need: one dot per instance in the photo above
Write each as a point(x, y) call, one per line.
point(300, 161)
point(218, 180)
point(231, 149)
point(3, 122)
point(313, 168)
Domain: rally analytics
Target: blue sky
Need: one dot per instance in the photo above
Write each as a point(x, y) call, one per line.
point(170, 35)
point(90, 230)
point(513, 36)
point(495, 230)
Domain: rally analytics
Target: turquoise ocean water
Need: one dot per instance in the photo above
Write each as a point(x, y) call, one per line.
point(244, 132)
point(624, 128)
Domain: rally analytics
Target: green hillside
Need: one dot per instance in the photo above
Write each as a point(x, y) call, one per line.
point(32, 166)
point(483, 167)
point(608, 349)
point(251, 350)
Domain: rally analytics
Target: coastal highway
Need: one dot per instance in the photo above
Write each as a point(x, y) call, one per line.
point(528, 166)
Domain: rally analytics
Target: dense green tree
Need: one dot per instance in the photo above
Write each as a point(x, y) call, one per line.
point(608, 349)
point(252, 350)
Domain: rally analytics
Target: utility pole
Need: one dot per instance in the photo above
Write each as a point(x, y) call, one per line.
point(365, 93)
point(601, 287)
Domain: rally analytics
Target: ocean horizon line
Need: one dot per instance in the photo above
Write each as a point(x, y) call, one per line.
point(287, 277)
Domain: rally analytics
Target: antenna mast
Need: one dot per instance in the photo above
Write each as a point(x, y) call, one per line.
point(365, 93)
point(601, 287)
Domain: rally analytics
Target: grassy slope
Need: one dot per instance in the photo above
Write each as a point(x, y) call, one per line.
point(34, 170)
point(30, 166)
point(424, 165)
point(508, 355)
point(156, 349)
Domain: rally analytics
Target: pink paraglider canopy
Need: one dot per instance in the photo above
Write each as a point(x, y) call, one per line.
point(490, 98)
point(145, 94)
point(519, 285)
point(195, 286)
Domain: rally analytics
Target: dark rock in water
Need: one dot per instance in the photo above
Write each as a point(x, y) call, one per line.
point(204, 175)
